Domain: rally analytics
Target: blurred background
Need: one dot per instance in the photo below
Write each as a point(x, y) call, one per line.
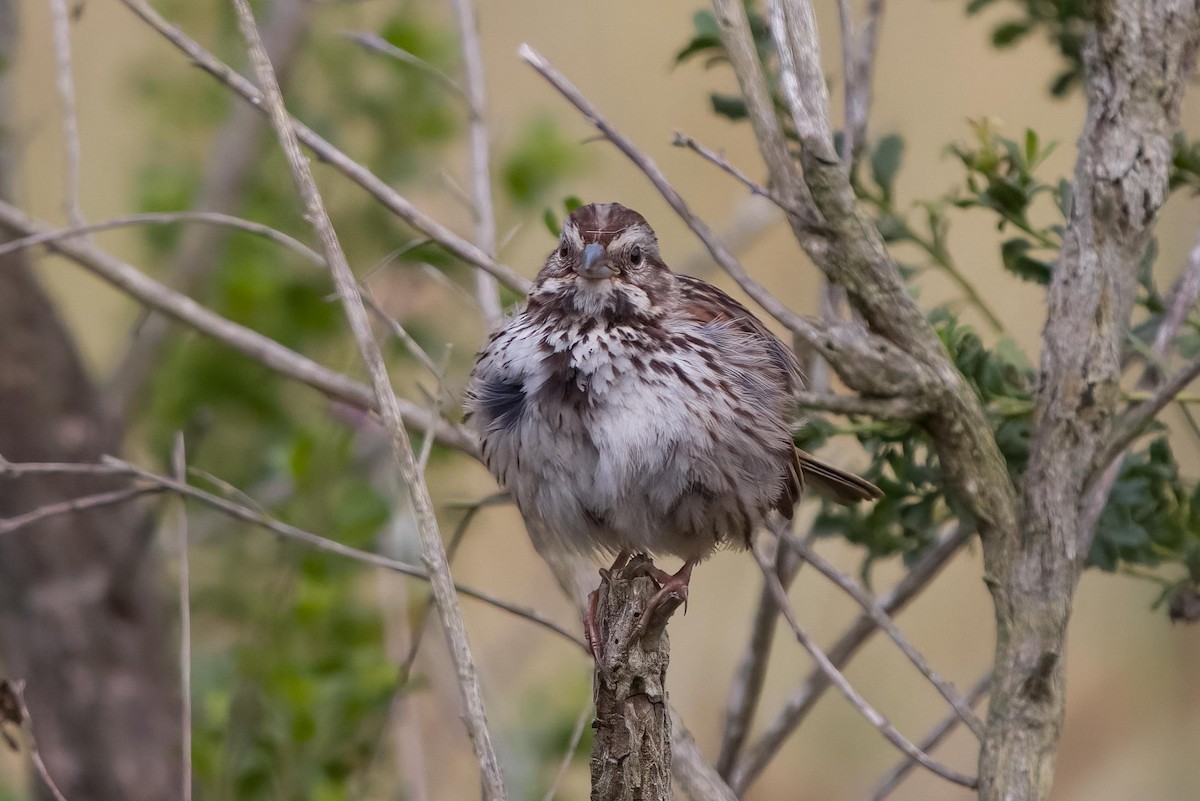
point(297, 689)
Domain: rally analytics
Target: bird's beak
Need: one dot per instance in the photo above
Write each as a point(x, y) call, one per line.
point(593, 264)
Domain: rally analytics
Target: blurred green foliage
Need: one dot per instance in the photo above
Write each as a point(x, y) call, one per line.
point(1152, 517)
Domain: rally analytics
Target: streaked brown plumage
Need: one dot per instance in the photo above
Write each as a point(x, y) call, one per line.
point(628, 408)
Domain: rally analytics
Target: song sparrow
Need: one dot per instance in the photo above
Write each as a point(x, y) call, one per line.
point(630, 409)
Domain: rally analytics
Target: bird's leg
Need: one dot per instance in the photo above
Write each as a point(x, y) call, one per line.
point(590, 633)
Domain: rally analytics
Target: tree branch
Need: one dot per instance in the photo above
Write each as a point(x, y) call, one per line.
point(857, 701)
point(231, 164)
point(939, 732)
point(61, 17)
point(881, 618)
point(801, 702)
point(247, 514)
point(392, 200)
point(481, 178)
point(248, 342)
point(432, 551)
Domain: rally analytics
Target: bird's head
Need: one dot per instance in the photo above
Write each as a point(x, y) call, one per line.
point(606, 264)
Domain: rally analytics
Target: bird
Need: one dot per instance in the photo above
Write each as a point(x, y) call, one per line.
point(631, 409)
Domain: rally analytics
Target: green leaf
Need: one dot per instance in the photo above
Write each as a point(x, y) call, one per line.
point(729, 106)
point(885, 162)
point(1014, 253)
point(551, 221)
point(1008, 34)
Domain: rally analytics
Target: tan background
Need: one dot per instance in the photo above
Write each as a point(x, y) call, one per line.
point(1133, 729)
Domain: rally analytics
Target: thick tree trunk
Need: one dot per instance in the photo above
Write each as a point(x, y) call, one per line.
point(1138, 62)
point(80, 615)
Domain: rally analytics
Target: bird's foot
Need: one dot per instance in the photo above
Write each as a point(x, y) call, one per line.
point(671, 587)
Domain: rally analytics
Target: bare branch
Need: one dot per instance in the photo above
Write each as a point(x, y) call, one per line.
point(61, 17)
point(112, 498)
point(896, 775)
point(1182, 301)
point(817, 682)
point(858, 63)
point(692, 772)
point(166, 218)
point(179, 468)
point(481, 174)
point(746, 688)
point(857, 701)
point(432, 550)
point(376, 43)
point(13, 710)
point(898, 408)
point(722, 163)
point(392, 200)
point(247, 514)
point(585, 714)
point(251, 343)
point(882, 619)
point(230, 167)
point(1134, 421)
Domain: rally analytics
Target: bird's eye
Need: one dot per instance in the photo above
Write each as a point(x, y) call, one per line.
point(635, 255)
point(562, 250)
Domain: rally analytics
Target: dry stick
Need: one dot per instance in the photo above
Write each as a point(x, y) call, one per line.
point(802, 701)
point(931, 740)
point(745, 691)
point(111, 498)
point(13, 710)
point(432, 550)
point(481, 178)
point(247, 341)
point(233, 158)
point(795, 323)
point(61, 17)
point(881, 618)
point(166, 218)
point(376, 43)
point(858, 62)
point(857, 701)
point(722, 163)
point(899, 408)
point(246, 514)
point(569, 754)
point(1131, 424)
point(179, 467)
point(392, 200)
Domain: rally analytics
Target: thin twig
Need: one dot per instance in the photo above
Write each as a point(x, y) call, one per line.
point(858, 64)
point(13, 710)
point(61, 17)
point(857, 701)
point(166, 218)
point(900, 408)
point(432, 550)
point(392, 200)
point(111, 498)
point(719, 161)
point(931, 740)
point(233, 161)
point(111, 466)
point(855, 591)
point(250, 343)
point(804, 699)
point(481, 177)
point(1131, 424)
point(745, 690)
point(569, 755)
point(179, 467)
point(373, 42)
